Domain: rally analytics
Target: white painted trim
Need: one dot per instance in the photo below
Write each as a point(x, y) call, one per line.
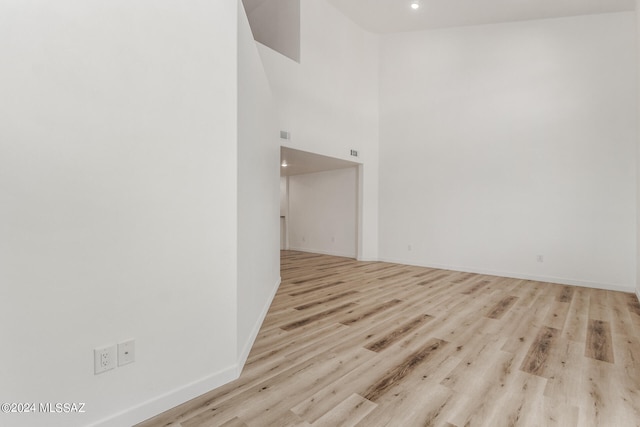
point(242, 359)
point(286, 217)
point(359, 211)
point(638, 294)
point(315, 251)
point(559, 280)
point(197, 388)
point(153, 407)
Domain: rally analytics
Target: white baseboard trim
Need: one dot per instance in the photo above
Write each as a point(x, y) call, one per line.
point(256, 329)
point(170, 399)
point(183, 394)
point(546, 279)
point(318, 251)
point(190, 391)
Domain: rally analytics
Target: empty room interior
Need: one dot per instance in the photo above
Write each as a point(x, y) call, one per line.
point(320, 213)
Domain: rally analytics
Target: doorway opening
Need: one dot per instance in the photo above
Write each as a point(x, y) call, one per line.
point(320, 204)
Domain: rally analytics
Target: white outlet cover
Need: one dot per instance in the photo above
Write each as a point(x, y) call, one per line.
point(126, 352)
point(104, 359)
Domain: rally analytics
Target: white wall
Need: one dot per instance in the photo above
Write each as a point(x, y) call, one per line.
point(117, 202)
point(329, 101)
point(276, 23)
point(258, 192)
point(638, 160)
point(322, 212)
point(284, 196)
point(503, 142)
point(284, 212)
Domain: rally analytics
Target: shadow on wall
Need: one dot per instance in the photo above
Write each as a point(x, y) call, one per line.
point(276, 24)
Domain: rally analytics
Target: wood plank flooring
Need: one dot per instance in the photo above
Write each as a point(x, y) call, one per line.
point(349, 343)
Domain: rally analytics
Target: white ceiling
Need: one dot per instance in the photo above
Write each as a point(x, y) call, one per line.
point(300, 162)
point(389, 16)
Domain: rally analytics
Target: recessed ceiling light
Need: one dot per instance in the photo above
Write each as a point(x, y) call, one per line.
point(415, 5)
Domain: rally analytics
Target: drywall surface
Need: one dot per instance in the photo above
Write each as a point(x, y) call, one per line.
point(284, 197)
point(276, 23)
point(638, 160)
point(502, 143)
point(117, 203)
point(329, 101)
point(322, 212)
point(258, 191)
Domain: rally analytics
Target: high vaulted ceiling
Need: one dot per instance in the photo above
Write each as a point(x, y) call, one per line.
point(389, 16)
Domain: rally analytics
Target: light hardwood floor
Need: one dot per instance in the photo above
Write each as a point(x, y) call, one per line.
point(349, 343)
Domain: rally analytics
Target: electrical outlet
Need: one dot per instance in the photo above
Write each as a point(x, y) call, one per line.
point(104, 359)
point(126, 352)
point(409, 248)
point(540, 258)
